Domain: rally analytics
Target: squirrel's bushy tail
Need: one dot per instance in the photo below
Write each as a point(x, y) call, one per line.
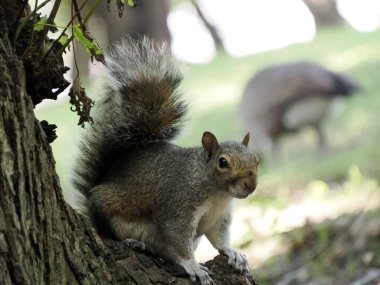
point(141, 105)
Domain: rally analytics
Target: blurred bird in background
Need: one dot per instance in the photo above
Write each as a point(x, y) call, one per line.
point(282, 99)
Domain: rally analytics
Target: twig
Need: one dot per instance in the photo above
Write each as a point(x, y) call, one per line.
point(63, 32)
point(92, 11)
point(75, 6)
point(67, 26)
point(50, 21)
point(17, 22)
point(30, 42)
point(78, 15)
point(25, 21)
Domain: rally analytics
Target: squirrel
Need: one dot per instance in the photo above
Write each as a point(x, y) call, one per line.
point(140, 188)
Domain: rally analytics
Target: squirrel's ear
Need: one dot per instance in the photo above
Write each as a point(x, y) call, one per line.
point(210, 143)
point(246, 139)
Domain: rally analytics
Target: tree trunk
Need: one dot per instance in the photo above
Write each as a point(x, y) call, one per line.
point(42, 239)
point(324, 11)
point(210, 27)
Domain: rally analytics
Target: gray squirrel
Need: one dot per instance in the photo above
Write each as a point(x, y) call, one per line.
point(140, 188)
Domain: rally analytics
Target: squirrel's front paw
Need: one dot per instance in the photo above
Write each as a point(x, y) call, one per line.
point(194, 269)
point(236, 259)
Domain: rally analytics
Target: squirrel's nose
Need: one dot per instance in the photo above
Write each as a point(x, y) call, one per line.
point(251, 184)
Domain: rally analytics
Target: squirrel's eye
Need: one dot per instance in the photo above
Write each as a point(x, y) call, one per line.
point(223, 163)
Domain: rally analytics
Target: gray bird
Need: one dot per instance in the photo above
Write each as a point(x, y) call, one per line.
point(282, 99)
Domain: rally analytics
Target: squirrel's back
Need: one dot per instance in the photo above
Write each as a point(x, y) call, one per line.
point(141, 105)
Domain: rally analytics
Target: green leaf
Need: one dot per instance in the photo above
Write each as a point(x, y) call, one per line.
point(131, 3)
point(63, 40)
point(39, 26)
point(86, 39)
point(79, 35)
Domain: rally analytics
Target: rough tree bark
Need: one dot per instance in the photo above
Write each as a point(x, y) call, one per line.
point(42, 239)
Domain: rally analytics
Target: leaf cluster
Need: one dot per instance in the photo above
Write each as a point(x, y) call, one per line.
point(42, 56)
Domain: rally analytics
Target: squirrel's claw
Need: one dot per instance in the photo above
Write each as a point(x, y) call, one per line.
point(135, 244)
point(194, 269)
point(205, 268)
point(204, 277)
point(237, 260)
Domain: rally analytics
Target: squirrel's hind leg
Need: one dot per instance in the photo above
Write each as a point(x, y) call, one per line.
point(138, 235)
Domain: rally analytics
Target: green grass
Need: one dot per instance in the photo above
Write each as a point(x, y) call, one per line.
point(352, 134)
point(214, 90)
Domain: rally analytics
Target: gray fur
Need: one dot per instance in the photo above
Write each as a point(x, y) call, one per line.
point(121, 121)
point(141, 188)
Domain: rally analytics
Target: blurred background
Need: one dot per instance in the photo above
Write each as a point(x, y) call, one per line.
point(309, 75)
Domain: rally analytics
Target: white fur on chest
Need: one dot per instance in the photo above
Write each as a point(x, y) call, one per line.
point(215, 208)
